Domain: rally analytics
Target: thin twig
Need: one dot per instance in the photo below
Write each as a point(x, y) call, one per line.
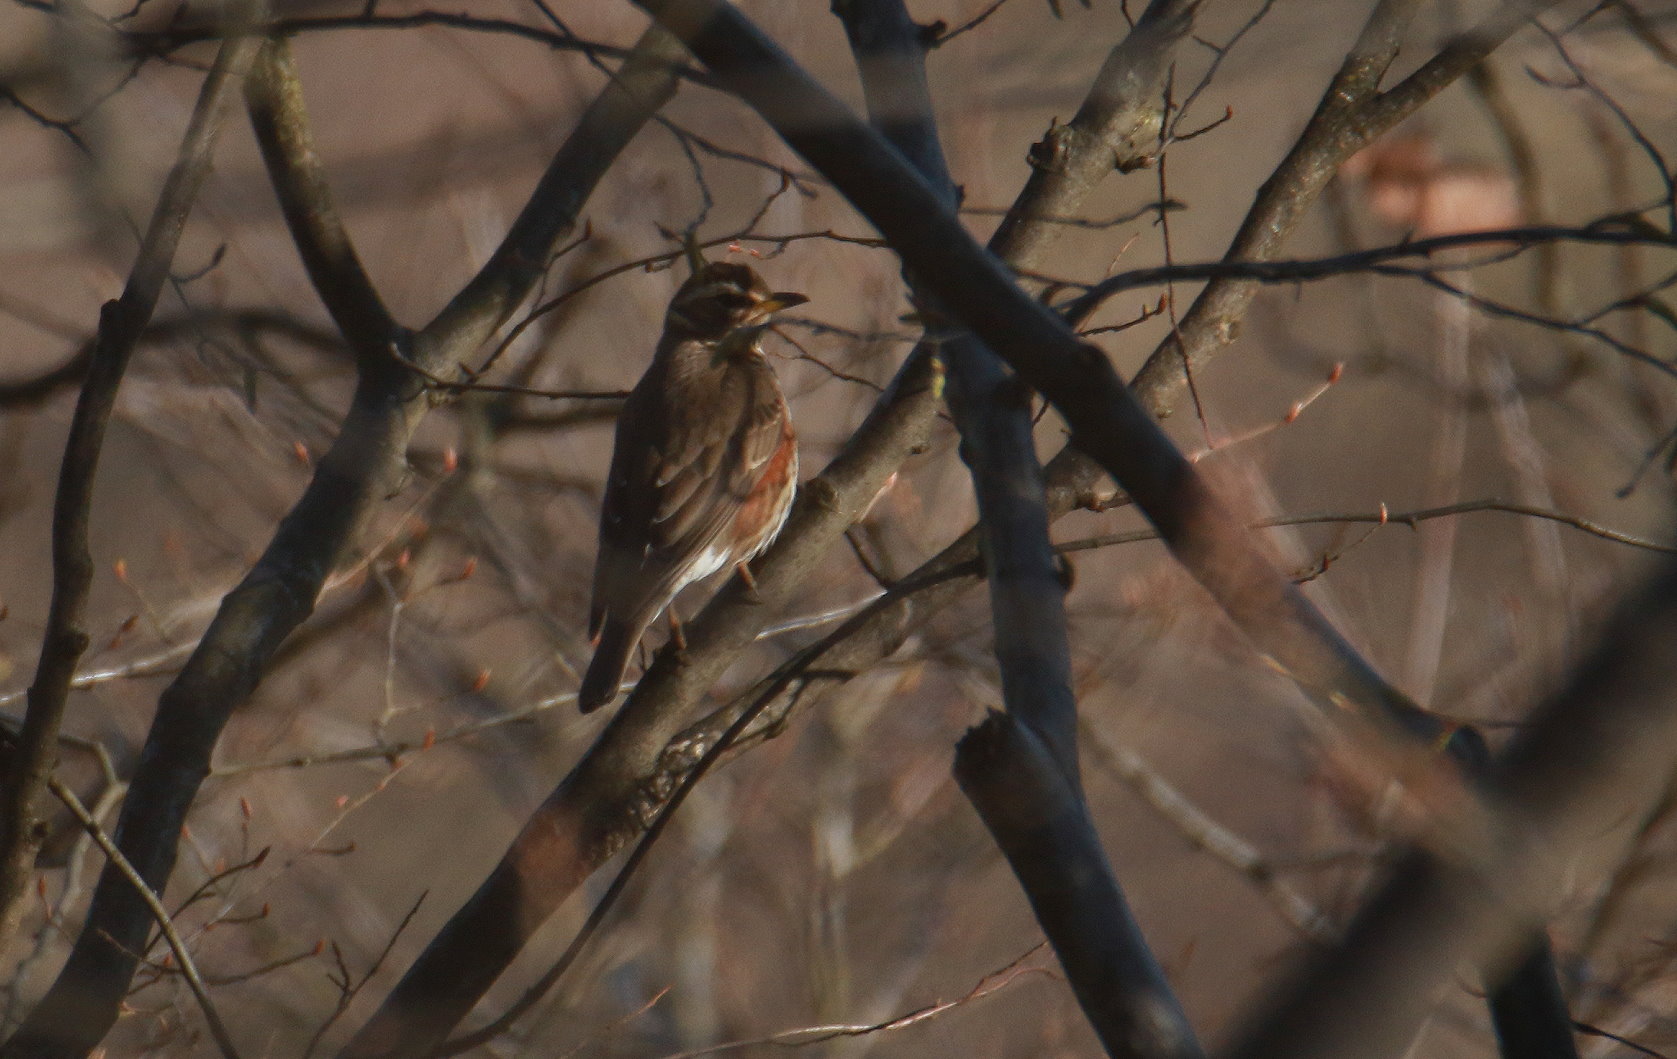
point(347, 989)
point(188, 968)
point(804, 1036)
point(1404, 518)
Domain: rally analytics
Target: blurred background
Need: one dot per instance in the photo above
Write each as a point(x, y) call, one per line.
point(834, 875)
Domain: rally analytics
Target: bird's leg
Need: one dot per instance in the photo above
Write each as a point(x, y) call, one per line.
point(677, 638)
point(750, 581)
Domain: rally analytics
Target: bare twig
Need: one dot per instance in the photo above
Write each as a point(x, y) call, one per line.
point(1198, 827)
point(1407, 518)
point(144, 43)
point(348, 988)
point(183, 957)
point(804, 1036)
point(1611, 231)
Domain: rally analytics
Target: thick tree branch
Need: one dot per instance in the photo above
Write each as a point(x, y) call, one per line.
point(1043, 826)
point(274, 97)
point(241, 323)
point(30, 760)
point(1021, 769)
point(1528, 1010)
point(364, 466)
point(1117, 127)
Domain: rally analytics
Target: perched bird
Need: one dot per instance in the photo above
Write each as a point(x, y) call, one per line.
point(704, 467)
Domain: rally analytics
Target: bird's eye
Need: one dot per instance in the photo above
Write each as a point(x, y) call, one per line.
point(735, 299)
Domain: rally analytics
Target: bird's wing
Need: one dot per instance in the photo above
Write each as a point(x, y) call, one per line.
point(682, 468)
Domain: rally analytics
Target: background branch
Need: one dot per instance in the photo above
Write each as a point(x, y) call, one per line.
point(1598, 753)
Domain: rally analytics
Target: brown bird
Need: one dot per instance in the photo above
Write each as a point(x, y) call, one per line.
point(704, 467)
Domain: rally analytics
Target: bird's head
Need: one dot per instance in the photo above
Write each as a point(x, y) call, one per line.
point(722, 299)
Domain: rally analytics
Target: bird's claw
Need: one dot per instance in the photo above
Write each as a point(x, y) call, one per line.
point(750, 582)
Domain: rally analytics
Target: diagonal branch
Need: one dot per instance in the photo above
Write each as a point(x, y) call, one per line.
point(1117, 127)
point(1074, 479)
point(165, 925)
point(274, 98)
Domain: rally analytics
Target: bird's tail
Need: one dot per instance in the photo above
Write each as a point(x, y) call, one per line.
point(611, 657)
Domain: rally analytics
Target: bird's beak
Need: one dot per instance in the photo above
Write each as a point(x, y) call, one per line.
point(780, 300)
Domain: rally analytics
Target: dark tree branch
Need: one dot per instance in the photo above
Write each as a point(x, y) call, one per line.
point(30, 759)
point(1610, 231)
point(143, 43)
point(991, 408)
point(890, 53)
point(1020, 769)
point(25, 392)
point(1528, 1009)
point(1042, 824)
point(364, 465)
point(637, 92)
point(274, 97)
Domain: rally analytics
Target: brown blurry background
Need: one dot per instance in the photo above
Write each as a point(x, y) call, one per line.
point(835, 874)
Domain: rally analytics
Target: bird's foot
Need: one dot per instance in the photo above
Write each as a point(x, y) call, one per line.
point(750, 582)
